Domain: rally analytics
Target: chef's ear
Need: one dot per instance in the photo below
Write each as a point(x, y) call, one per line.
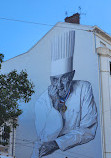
point(72, 74)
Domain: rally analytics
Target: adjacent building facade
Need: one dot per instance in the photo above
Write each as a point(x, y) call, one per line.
point(7, 141)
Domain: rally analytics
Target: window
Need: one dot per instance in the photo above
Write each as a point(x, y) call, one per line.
point(110, 67)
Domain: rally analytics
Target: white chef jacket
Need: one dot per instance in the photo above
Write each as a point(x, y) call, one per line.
point(80, 117)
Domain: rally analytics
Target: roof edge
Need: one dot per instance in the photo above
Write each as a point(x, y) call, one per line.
point(104, 34)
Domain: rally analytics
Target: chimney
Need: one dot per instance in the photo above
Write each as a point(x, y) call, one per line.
point(75, 18)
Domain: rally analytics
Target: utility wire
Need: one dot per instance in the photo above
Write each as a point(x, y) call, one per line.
point(26, 140)
point(57, 152)
point(66, 154)
point(32, 142)
point(24, 145)
point(44, 24)
point(24, 21)
point(79, 154)
point(36, 23)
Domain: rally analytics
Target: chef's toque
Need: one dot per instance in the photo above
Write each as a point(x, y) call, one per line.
point(62, 50)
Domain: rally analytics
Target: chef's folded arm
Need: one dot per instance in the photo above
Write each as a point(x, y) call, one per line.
point(88, 123)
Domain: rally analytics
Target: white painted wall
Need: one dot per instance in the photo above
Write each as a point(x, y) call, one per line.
point(103, 40)
point(110, 82)
point(37, 63)
point(105, 93)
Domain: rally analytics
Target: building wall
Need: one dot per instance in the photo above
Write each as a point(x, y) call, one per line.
point(102, 42)
point(37, 62)
point(105, 93)
point(104, 57)
point(110, 82)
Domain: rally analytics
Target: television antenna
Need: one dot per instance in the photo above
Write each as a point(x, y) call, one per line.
point(66, 13)
point(80, 12)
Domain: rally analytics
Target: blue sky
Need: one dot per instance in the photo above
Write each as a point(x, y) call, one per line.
point(16, 38)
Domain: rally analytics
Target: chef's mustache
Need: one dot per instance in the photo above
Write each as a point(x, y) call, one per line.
point(62, 88)
point(59, 88)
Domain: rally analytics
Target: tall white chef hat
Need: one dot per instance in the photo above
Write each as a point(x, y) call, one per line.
point(62, 50)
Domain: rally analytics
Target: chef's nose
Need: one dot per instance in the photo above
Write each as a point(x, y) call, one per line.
point(59, 84)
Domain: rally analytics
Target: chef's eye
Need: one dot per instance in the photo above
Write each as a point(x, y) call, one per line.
point(64, 79)
point(55, 80)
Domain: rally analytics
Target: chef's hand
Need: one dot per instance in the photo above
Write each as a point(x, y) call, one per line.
point(53, 93)
point(48, 148)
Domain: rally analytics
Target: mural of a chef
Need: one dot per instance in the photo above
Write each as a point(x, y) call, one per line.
point(66, 114)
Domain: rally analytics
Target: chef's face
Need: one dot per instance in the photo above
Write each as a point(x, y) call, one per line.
point(62, 83)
